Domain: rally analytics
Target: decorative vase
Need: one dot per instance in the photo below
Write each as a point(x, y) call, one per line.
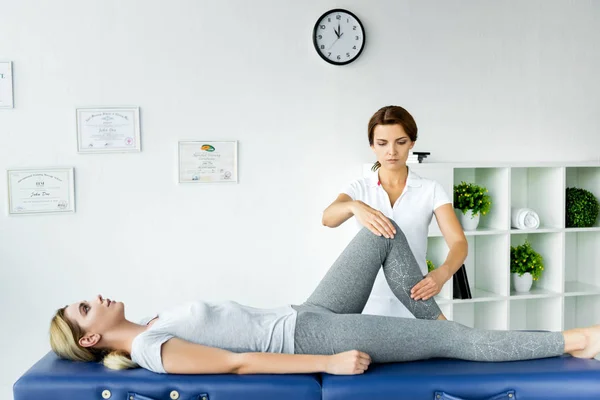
point(522, 283)
point(467, 220)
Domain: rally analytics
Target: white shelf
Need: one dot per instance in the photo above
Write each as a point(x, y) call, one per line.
point(590, 229)
point(514, 231)
point(568, 292)
point(480, 296)
point(582, 262)
point(484, 231)
point(536, 314)
point(581, 289)
point(550, 246)
point(485, 315)
point(452, 165)
point(478, 232)
point(581, 311)
point(541, 229)
point(534, 293)
point(495, 180)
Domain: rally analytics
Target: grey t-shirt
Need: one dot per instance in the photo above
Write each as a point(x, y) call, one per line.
point(227, 325)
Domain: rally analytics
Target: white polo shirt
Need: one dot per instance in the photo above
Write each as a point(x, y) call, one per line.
point(413, 212)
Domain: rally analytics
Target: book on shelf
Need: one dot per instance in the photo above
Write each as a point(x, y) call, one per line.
point(415, 157)
point(461, 287)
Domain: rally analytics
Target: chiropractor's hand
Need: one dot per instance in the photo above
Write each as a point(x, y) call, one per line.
point(348, 363)
point(374, 220)
point(430, 286)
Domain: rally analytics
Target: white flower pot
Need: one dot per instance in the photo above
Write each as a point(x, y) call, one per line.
point(467, 220)
point(522, 283)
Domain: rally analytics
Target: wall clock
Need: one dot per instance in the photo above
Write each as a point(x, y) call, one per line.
point(339, 37)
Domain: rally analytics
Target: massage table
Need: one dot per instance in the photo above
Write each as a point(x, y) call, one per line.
point(562, 378)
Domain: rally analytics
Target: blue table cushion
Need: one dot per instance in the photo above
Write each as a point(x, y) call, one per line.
point(562, 378)
point(439, 379)
point(54, 379)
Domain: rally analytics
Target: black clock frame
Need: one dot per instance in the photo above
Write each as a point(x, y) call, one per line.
point(316, 27)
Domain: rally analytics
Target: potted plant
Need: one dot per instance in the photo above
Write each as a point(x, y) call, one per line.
point(430, 266)
point(582, 208)
point(526, 266)
point(472, 202)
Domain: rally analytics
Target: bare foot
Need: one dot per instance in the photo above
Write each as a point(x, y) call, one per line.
point(592, 346)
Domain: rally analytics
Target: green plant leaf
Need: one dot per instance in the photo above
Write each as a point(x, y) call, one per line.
point(582, 208)
point(524, 258)
point(469, 196)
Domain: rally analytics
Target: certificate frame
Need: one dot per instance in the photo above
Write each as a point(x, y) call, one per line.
point(6, 85)
point(15, 209)
point(226, 172)
point(132, 142)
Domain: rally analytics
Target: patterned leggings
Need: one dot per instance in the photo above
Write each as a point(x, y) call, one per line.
point(330, 321)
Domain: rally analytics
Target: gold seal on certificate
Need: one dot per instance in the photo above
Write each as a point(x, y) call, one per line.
point(6, 85)
point(108, 130)
point(205, 162)
point(33, 191)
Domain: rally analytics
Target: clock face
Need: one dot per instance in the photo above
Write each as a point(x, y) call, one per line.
point(339, 37)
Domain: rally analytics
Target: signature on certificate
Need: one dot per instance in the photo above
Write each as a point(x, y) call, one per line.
point(39, 194)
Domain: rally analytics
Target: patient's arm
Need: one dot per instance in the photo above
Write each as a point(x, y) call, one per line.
point(182, 357)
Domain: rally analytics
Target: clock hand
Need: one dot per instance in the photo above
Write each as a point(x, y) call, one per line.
point(336, 33)
point(333, 43)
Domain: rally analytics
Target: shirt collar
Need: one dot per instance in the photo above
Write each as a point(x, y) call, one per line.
point(413, 180)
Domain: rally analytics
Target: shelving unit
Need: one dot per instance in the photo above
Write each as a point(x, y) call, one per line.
point(568, 293)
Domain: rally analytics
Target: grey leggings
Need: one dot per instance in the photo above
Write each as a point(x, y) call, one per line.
point(330, 321)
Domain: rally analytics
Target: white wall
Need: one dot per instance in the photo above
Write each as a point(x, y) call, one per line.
point(486, 80)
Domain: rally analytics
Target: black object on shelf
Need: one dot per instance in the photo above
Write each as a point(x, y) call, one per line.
point(421, 155)
point(460, 283)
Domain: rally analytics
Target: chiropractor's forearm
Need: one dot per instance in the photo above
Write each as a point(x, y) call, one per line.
point(456, 257)
point(338, 213)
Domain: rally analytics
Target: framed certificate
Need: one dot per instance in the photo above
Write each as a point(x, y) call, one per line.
point(6, 85)
point(108, 130)
point(47, 190)
point(207, 162)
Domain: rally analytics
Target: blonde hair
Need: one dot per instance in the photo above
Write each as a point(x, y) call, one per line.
point(64, 340)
